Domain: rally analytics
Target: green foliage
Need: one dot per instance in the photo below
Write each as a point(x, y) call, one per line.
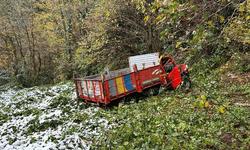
point(61, 100)
point(167, 123)
point(203, 32)
point(200, 119)
point(4, 118)
point(27, 112)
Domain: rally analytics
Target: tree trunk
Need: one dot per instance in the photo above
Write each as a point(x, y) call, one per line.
point(150, 28)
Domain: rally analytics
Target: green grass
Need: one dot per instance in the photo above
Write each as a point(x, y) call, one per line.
point(205, 117)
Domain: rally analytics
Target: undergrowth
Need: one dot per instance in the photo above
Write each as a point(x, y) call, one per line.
point(205, 117)
point(213, 114)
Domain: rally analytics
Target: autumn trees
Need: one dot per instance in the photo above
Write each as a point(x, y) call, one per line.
point(115, 30)
point(42, 41)
point(38, 38)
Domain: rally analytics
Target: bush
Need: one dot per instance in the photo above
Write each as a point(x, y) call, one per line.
point(4, 77)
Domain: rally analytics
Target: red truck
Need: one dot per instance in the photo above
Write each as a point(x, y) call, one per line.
point(145, 75)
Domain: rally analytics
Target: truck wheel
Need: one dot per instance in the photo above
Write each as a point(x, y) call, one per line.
point(186, 83)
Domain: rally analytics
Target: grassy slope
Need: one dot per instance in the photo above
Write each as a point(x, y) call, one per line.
point(209, 116)
point(194, 119)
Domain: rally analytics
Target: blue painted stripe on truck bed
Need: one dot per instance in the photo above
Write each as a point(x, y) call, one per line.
point(155, 79)
point(128, 82)
point(146, 82)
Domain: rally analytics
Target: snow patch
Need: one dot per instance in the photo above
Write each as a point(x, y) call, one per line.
point(30, 123)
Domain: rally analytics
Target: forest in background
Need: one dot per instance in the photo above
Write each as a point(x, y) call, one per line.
point(44, 41)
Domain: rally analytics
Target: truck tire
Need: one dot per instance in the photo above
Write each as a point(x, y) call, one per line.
point(186, 82)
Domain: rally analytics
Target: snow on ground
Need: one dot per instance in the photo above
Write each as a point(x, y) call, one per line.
point(47, 118)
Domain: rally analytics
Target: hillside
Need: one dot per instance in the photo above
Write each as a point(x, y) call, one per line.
point(43, 42)
point(213, 114)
